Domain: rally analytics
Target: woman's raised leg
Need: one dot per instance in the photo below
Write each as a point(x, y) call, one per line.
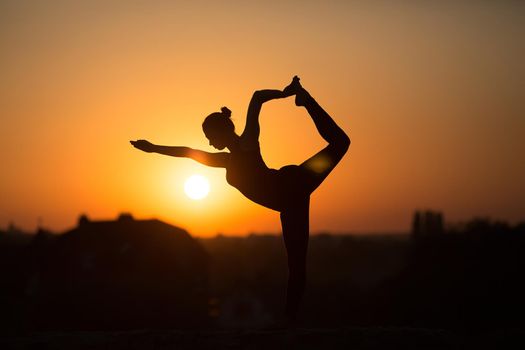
point(322, 163)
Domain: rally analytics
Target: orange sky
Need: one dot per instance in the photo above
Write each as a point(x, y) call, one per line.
point(431, 93)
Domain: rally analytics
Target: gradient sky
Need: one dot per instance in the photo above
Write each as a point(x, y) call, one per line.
point(431, 93)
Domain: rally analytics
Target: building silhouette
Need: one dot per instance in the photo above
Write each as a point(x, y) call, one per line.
point(427, 223)
point(118, 274)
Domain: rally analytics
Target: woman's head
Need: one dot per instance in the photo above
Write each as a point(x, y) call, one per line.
point(219, 128)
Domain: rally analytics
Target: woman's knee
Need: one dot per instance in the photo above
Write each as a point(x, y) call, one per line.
point(342, 143)
point(338, 148)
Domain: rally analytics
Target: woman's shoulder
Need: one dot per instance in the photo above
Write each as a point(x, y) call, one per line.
point(247, 145)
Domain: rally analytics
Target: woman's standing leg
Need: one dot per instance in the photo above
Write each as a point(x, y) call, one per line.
point(295, 225)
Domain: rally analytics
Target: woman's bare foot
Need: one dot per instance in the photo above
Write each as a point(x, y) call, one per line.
point(295, 88)
point(291, 89)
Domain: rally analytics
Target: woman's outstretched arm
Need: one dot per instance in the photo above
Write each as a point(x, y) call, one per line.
point(210, 159)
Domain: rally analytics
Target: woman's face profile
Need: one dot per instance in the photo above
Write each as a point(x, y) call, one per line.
point(215, 139)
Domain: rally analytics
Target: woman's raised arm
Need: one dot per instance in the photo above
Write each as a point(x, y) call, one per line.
point(252, 129)
point(210, 159)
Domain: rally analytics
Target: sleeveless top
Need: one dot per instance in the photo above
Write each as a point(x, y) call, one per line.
point(247, 172)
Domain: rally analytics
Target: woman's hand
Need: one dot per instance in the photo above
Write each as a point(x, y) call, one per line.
point(144, 145)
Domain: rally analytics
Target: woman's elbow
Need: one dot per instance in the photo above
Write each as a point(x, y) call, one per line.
point(257, 96)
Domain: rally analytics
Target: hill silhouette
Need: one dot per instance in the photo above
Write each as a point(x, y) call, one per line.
point(117, 274)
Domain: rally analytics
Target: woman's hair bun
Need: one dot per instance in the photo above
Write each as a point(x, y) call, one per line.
point(226, 112)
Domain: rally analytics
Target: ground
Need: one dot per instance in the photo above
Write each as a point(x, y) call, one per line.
point(301, 338)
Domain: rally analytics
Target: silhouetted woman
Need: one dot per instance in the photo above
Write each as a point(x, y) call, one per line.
point(286, 190)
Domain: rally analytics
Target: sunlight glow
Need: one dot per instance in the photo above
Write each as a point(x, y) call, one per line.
point(197, 187)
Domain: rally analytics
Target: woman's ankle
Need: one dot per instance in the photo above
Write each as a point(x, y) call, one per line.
point(302, 97)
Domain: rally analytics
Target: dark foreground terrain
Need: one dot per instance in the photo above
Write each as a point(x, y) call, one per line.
point(301, 338)
point(144, 284)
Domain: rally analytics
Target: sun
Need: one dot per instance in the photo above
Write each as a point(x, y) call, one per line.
point(197, 187)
